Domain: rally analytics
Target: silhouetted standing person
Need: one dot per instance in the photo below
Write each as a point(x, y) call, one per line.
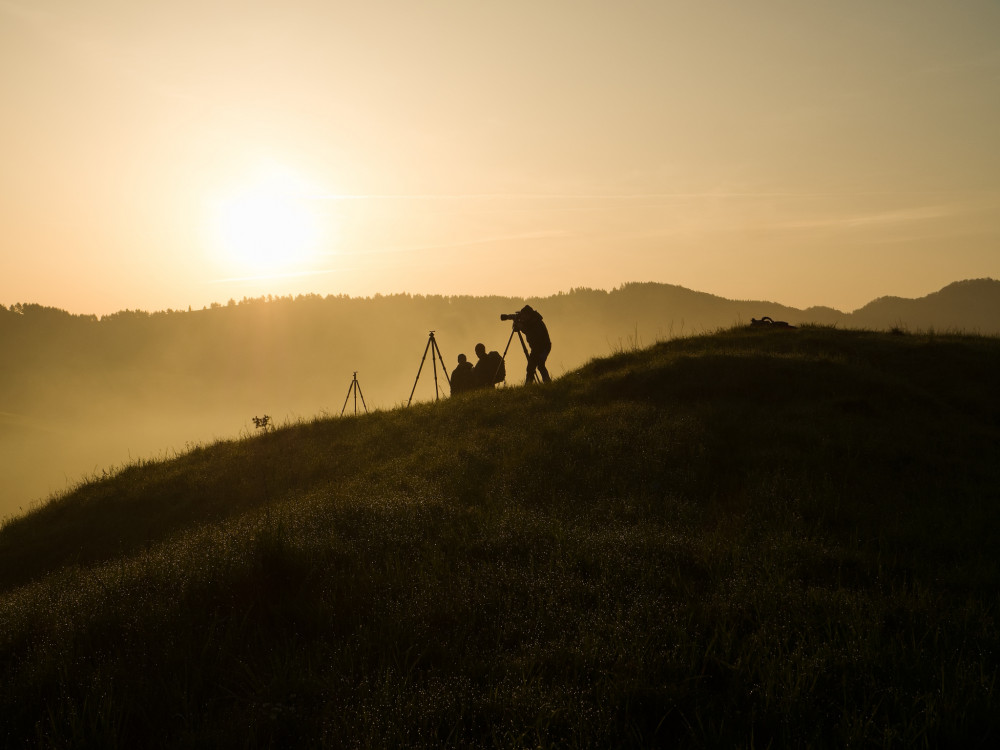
point(529, 322)
point(462, 379)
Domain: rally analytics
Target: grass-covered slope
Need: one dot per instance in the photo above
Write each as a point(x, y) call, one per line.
point(729, 540)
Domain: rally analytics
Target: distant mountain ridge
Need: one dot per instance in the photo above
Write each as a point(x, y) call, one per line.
point(972, 306)
point(969, 306)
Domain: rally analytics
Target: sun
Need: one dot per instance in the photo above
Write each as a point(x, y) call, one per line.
point(267, 227)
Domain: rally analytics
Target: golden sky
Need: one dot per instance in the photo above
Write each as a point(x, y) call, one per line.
point(167, 154)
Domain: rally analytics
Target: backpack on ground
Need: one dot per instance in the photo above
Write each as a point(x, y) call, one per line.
point(496, 367)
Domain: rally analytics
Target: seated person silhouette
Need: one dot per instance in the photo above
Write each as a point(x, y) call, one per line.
point(462, 378)
point(489, 370)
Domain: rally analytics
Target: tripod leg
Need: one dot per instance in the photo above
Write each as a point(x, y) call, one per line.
point(349, 389)
point(504, 357)
point(435, 368)
point(355, 384)
point(512, 332)
point(418, 371)
point(358, 386)
point(534, 375)
point(443, 368)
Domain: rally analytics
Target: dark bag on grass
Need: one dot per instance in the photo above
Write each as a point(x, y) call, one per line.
point(495, 367)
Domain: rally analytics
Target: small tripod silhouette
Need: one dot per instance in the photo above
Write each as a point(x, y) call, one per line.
point(434, 349)
point(524, 348)
point(356, 387)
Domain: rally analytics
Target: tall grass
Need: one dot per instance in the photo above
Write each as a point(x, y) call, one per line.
point(744, 539)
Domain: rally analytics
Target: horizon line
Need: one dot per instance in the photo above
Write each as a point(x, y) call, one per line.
point(624, 196)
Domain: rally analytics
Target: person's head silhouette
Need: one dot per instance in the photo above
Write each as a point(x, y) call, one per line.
point(480, 351)
point(461, 359)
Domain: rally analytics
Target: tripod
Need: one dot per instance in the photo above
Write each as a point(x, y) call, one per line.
point(524, 348)
point(356, 387)
point(433, 347)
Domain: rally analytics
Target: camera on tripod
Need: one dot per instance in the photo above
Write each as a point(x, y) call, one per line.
point(505, 316)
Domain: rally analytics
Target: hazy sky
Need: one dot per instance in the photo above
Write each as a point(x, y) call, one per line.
point(167, 154)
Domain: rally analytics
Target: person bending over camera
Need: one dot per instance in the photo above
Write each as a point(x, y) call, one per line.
point(529, 322)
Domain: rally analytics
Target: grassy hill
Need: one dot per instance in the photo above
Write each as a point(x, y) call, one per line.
point(739, 539)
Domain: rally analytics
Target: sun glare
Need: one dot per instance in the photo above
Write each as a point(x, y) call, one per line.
point(267, 227)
